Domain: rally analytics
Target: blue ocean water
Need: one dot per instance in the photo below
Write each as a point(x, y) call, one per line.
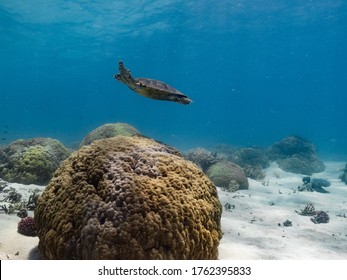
point(257, 71)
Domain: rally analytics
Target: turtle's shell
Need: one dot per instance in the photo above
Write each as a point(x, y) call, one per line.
point(158, 90)
point(157, 85)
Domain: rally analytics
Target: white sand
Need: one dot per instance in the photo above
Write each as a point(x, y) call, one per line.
point(250, 230)
point(12, 244)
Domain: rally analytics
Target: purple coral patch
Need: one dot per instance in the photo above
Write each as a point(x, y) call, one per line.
point(27, 226)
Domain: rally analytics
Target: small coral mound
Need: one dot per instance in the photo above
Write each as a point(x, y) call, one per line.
point(26, 226)
point(31, 161)
point(128, 198)
point(255, 172)
point(287, 223)
point(321, 217)
point(250, 157)
point(228, 175)
point(202, 158)
point(109, 130)
point(297, 155)
point(22, 213)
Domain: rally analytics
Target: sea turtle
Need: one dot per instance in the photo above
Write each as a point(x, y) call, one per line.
point(150, 88)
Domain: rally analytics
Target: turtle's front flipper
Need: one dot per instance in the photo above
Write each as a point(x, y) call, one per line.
point(125, 77)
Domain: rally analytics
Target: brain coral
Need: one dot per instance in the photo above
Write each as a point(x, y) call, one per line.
point(128, 198)
point(109, 130)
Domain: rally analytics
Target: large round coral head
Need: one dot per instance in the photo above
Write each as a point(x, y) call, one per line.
point(129, 198)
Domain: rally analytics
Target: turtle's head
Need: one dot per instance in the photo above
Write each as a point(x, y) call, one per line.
point(180, 99)
point(185, 101)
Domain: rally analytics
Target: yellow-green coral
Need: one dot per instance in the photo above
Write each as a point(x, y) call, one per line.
point(128, 198)
point(33, 166)
point(110, 130)
point(36, 158)
point(31, 161)
point(227, 175)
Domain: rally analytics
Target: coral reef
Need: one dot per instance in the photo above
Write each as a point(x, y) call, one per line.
point(321, 217)
point(255, 172)
point(309, 210)
point(32, 161)
point(343, 177)
point(10, 208)
point(32, 200)
point(300, 165)
point(128, 198)
point(13, 196)
point(22, 213)
point(202, 158)
point(26, 226)
point(315, 184)
point(297, 155)
point(3, 185)
point(250, 157)
point(318, 216)
point(287, 223)
point(228, 206)
point(228, 175)
point(224, 151)
point(12, 201)
point(109, 130)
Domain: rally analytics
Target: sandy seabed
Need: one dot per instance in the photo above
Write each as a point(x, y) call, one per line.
point(253, 225)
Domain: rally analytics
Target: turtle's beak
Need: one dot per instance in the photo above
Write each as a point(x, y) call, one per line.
point(184, 101)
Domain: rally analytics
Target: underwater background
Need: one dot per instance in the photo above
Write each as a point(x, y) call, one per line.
point(257, 71)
